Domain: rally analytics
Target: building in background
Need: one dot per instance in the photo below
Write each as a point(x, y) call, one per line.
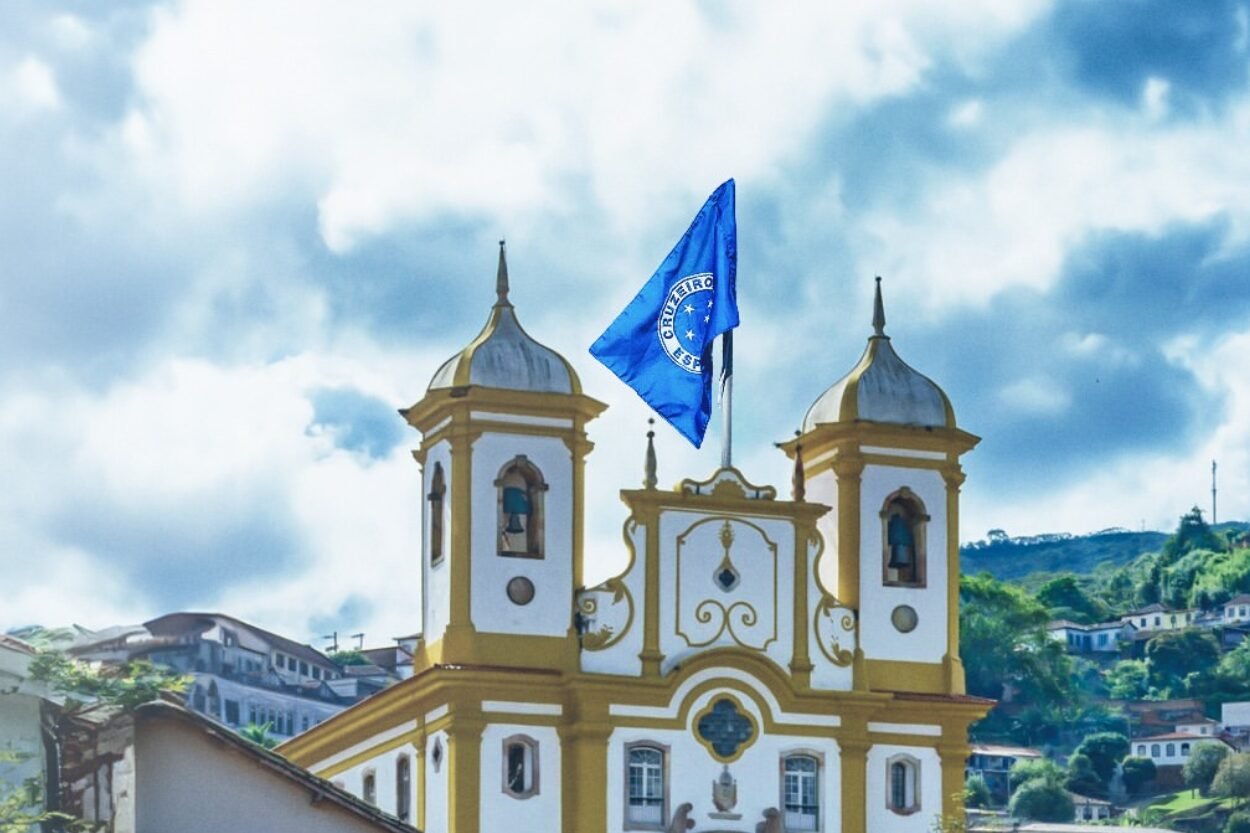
point(994, 762)
point(241, 674)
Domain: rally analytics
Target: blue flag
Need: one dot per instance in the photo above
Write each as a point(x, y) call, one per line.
point(661, 344)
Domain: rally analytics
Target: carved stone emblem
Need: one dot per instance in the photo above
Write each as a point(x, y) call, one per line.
point(725, 796)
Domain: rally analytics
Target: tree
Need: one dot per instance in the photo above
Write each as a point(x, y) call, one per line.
point(1128, 679)
point(259, 734)
point(1038, 769)
point(1082, 779)
point(1238, 823)
point(352, 657)
point(1204, 764)
point(976, 793)
point(1204, 761)
point(1191, 534)
point(1066, 598)
point(21, 804)
point(1041, 800)
point(1173, 655)
point(127, 686)
point(1105, 750)
point(1137, 773)
point(1232, 780)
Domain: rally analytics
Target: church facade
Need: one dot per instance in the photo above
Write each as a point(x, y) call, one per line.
point(762, 663)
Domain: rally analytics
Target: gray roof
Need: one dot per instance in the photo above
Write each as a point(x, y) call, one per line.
point(882, 388)
point(505, 356)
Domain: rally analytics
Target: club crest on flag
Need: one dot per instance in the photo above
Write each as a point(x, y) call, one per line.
point(685, 315)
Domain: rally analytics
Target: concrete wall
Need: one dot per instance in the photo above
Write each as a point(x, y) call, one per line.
point(186, 782)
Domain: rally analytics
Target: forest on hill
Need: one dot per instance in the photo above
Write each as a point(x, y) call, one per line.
point(1051, 697)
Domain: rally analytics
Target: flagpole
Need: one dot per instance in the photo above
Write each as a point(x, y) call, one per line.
point(727, 397)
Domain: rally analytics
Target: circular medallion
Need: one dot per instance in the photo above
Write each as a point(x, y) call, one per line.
point(684, 321)
point(521, 590)
point(904, 618)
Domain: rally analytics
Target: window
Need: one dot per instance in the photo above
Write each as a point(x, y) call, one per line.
point(403, 788)
point(902, 784)
point(214, 701)
point(305, 723)
point(903, 522)
point(520, 517)
point(316, 673)
point(520, 766)
point(1158, 621)
point(1171, 750)
point(1154, 750)
point(1184, 750)
point(369, 787)
point(232, 712)
point(1141, 750)
point(645, 807)
point(438, 488)
point(303, 668)
point(1143, 621)
point(800, 792)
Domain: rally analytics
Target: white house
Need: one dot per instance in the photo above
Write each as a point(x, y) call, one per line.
point(1104, 637)
point(1205, 727)
point(1157, 617)
point(1237, 609)
point(1089, 809)
point(1172, 749)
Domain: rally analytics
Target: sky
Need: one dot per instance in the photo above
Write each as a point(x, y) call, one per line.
point(236, 237)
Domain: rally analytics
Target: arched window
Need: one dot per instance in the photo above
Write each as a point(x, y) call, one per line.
point(902, 784)
point(1154, 750)
point(1171, 750)
point(403, 788)
point(646, 787)
point(903, 521)
point(520, 523)
point(1184, 750)
point(438, 489)
point(214, 701)
point(369, 787)
point(800, 792)
point(1141, 750)
point(520, 766)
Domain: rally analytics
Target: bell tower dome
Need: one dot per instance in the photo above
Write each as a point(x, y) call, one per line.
point(882, 447)
point(502, 453)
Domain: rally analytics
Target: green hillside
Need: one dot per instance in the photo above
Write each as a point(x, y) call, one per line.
point(1015, 558)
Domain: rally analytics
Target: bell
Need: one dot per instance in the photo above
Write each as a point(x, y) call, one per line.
point(900, 557)
point(514, 526)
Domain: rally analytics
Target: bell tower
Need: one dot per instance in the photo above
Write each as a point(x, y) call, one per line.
point(502, 458)
point(882, 447)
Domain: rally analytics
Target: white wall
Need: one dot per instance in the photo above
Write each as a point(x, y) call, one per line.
point(756, 614)
point(436, 785)
point(550, 613)
point(622, 658)
point(879, 816)
point(539, 813)
point(19, 734)
point(384, 768)
point(692, 770)
point(188, 783)
point(436, 581)
point(879, 638)
point(823, 488)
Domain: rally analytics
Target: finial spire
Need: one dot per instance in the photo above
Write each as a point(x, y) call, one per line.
point(798, 482)
point(649, 478)
point(878, 312)
point(501, 279)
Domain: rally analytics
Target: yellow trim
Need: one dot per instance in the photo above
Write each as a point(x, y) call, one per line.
point(853, 763)
point(464, 774)
point(849, 469)
point(800, 657)
point(584, 782)
point(651, 656)
point(896, 675)
point(372, 752)
point(421, 788)
point(956, 683)
point(745, 611)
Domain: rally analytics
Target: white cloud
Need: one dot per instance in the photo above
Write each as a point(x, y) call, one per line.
point(1014, 225)
point(410, 112)
point(32, 85)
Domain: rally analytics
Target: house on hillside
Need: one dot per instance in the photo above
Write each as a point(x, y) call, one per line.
point(1156, 617)
point(1169, 752)
point(242, 674)
point(1157, 717)
point(1237, 609)
point(1105, 637)
point(1089, 809)
point(993, 763)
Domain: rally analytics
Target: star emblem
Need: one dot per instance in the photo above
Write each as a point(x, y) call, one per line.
point(707, 318)
point(690, 335)
point(689, 308)
point(709, 304)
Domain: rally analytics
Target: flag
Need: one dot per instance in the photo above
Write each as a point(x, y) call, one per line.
point(661, 343)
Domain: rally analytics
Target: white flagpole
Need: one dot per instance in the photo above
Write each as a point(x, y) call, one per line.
point(726, 398)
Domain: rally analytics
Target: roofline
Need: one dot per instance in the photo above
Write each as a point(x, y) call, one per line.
point(321, 788)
